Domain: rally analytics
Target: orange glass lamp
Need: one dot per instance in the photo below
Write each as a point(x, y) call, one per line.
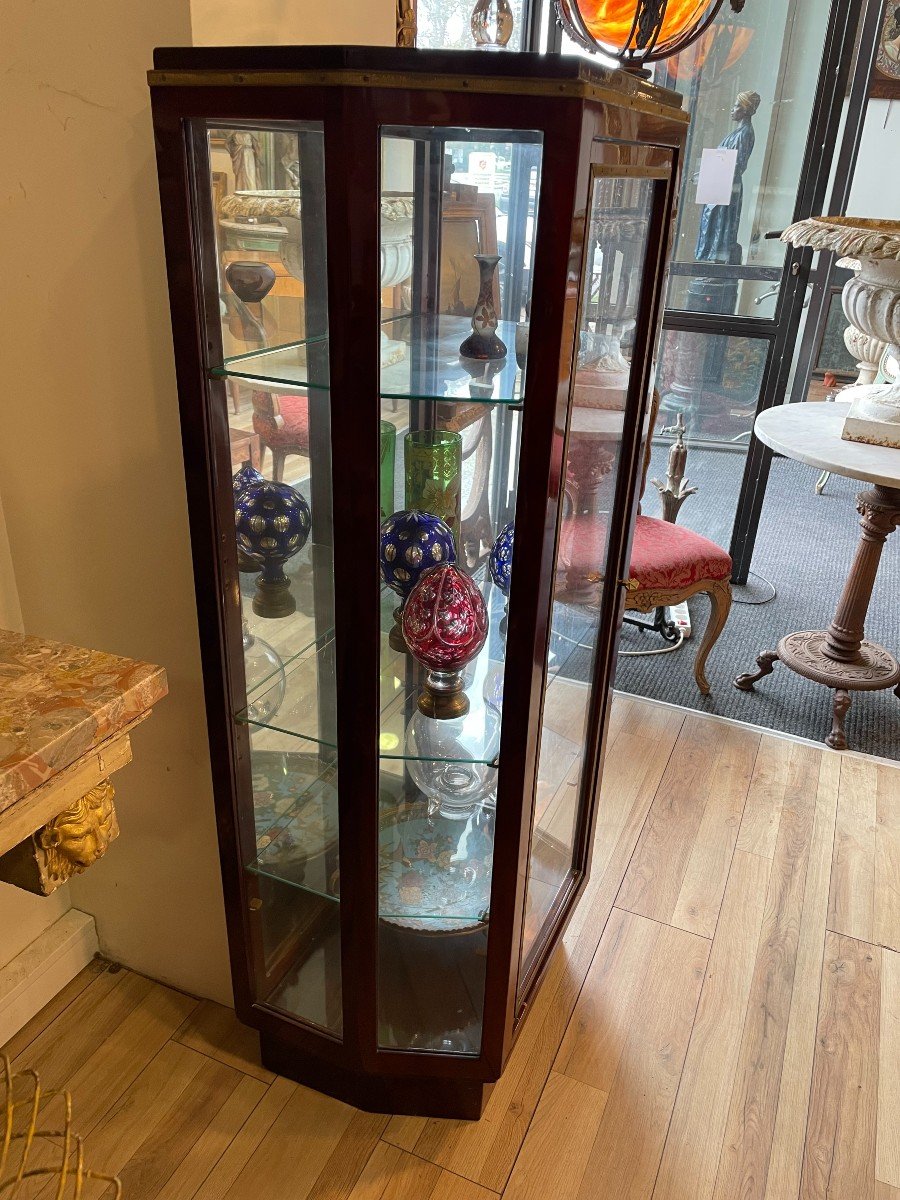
point(637, 32)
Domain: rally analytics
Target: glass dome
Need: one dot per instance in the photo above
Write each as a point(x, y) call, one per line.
point(442, 759)
point(636, 31)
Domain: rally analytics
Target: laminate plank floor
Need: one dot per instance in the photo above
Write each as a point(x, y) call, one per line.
point(720, 1022)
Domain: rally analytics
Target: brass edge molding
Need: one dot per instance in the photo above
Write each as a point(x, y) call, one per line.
point(624, 171)
point(575, 89)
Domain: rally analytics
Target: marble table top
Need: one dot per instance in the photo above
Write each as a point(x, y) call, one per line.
point(57, 702)
point(811, 433)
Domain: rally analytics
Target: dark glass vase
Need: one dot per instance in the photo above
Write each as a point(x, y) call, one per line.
point(250, 281)
point(483, 343)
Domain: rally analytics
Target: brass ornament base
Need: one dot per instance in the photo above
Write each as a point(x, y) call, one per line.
point(273, 598)
point(396, 640)
point(443, 697)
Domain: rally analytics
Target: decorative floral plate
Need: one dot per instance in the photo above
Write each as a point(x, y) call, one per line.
point(434, 873)
point(296, 816)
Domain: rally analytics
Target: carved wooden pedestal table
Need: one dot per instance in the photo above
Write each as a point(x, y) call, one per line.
point(66, 714)
point(838, 657)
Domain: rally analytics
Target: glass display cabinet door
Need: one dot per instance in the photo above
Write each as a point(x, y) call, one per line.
point(458, 210)
point(604, 401)
point(266, 189)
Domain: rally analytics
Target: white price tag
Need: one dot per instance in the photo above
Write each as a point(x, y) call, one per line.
point(716, 177)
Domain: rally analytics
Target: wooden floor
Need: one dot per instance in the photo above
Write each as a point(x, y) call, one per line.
point(722, 1024)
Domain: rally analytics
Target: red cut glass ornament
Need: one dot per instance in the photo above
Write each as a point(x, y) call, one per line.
point(445, 624)
point(445, 620)
point(638, 31)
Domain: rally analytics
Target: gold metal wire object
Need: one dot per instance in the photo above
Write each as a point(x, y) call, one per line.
point(35, 1118)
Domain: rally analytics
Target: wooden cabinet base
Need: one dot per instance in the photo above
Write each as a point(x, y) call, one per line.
point(407, 1095)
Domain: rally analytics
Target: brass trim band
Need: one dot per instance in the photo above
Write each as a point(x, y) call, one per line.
point(576, 89)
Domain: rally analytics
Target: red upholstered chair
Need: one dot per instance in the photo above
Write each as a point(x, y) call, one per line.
point(668, 565)
point(282, 423)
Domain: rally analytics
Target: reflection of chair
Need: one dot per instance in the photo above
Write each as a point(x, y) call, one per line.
point(598, 401)
point(668, 565)
point(282, 423)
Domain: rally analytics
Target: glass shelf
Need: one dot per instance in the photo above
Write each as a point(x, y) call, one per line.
point(430, 367)
point(296, 819)
point(434, 873)
point(288, 637)
point(282, 778)
point(311, 673)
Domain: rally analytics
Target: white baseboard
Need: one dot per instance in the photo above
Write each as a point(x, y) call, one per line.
point(44, 968)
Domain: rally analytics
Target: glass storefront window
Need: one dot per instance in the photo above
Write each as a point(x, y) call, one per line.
point(749, 83)
point(447, 24)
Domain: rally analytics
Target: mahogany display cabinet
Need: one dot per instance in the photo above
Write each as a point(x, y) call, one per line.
point(415, 298)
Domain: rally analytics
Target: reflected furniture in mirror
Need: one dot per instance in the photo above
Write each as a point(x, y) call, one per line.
point(282, 425)
point(405, 758)
point(669, 564)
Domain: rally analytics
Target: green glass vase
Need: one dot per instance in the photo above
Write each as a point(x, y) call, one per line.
point(387, 468)
point(433, 471)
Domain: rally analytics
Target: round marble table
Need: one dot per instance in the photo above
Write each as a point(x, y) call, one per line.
point(838, 657)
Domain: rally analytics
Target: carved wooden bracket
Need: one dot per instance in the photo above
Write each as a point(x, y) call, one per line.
point(67, 845)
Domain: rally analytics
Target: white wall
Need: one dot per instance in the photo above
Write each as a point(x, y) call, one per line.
point(294, 22)
point(876, 180)
point(90, 459)
point(10, 609)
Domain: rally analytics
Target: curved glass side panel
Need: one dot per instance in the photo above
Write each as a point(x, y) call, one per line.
point(615, 251)
point(267, 191)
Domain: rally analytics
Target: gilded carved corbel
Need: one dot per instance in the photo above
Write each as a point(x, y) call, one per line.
point(67, 845)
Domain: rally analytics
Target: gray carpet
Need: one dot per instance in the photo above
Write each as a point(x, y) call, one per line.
point(805, 546)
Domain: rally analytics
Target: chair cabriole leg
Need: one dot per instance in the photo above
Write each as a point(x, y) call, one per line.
point(719, 606)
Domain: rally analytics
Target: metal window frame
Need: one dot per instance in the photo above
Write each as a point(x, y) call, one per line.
point(850, 23)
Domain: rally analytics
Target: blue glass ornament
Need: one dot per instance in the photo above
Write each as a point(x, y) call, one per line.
point(273, 523)
point(244, 477)
point(411, 542)
point(500, 561)
point(240, 481)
